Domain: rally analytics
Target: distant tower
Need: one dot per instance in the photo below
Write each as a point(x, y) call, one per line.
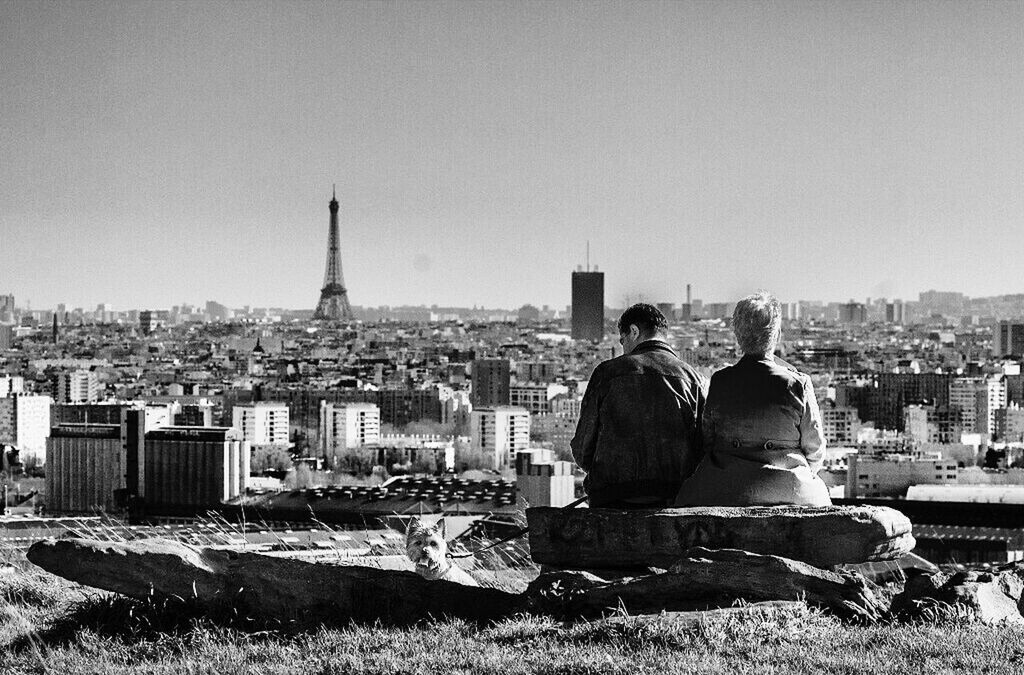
point(55, 328)
point(588, 305)
point(333, 305)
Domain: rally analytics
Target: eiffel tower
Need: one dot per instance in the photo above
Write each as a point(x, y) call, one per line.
point(333, 305)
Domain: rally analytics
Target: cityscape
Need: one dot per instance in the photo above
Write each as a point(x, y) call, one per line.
point(511, 336)
point(165, 415)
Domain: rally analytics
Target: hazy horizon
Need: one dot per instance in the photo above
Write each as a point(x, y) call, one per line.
point(160, 153)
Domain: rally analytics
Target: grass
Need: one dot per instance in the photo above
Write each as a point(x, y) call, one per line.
point(48, 625)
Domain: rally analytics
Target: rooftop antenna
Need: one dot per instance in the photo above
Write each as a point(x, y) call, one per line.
point(334, 190)
point(588, 255)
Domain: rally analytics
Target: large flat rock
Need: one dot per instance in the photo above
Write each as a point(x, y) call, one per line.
point(264, 587)
point(613, 539)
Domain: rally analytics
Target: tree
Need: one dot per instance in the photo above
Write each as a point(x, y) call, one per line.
point(272, 457)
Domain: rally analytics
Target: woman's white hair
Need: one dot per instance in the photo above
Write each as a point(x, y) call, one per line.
point(757, 323)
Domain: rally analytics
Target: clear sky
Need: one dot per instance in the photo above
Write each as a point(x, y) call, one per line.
point(153, 153)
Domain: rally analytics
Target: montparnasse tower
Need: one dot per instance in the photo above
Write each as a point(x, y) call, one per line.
point(333, 305)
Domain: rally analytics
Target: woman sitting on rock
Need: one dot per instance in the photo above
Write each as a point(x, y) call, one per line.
point(761, 426)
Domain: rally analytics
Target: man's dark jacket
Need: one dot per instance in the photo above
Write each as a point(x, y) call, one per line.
point(639, 429)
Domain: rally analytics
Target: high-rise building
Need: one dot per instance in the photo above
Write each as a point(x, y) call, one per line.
point(500, 432)
point(333, 304)
point(6, 307)
point(491, 378)
point(894, 312)
point(78, 386)
point(853, 312)
point(6, 335)
point(1009, 339)
point(25, 424)
point(344, 426)
point(218, 312)
point(400, 405)
point(262, 423)
point(978, 398)
point(543, 481)
point(11, 384)
point(893, 391)
point(840, 424)
point(455, 410)
point(587, 305)
point(1009, 424)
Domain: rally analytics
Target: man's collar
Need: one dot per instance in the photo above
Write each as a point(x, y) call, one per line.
point(652, 344)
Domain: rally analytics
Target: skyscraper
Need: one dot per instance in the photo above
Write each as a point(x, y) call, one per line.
point(333, 305)
point(587, 305)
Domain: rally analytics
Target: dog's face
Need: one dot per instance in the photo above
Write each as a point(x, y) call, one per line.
point(426, 548)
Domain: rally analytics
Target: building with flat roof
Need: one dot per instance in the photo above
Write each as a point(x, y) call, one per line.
point(192, 468)
point(25, 424)
point(588, 305)
point(491, 381)
point(262, 423)
point(869, 478)
point(78, 386)
point(345, 426)
point(500, 432)
point(543, 481)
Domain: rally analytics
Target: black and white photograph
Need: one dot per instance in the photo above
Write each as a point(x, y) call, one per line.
point(511, 336)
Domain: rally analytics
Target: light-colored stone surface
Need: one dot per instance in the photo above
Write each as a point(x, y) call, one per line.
point(987, 597)
point(821, 536)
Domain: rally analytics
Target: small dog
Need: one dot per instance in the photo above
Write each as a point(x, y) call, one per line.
point(427, 549)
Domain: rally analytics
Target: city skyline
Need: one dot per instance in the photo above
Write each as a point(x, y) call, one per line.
point(188, 150)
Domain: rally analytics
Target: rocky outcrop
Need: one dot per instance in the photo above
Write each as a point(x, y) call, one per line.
point(820, 536)
point(707, 578)
point(264, 587)
point(294, 591)
point(989, 597)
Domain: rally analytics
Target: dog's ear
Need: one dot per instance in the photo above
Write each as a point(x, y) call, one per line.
point(414, 524)
point(441, 528)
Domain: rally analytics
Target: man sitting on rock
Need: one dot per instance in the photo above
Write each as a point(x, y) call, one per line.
point(638, 435)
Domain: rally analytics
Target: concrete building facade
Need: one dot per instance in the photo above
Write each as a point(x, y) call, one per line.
point(500, 432)
point(869, 478)
point(262, 423)
point(543, 481)
point(25, 424)
point(190, 468)
point(491, 382)
point(344, 426)
point(78, 386)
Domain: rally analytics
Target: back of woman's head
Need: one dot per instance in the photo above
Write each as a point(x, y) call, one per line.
point(757, 323)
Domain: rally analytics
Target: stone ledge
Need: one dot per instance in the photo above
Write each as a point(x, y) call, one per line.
point(820, 536)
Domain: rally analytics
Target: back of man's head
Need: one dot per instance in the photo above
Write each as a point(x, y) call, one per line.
point(647, 318)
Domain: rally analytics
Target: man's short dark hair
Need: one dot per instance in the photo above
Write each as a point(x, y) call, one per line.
point(647, 318)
